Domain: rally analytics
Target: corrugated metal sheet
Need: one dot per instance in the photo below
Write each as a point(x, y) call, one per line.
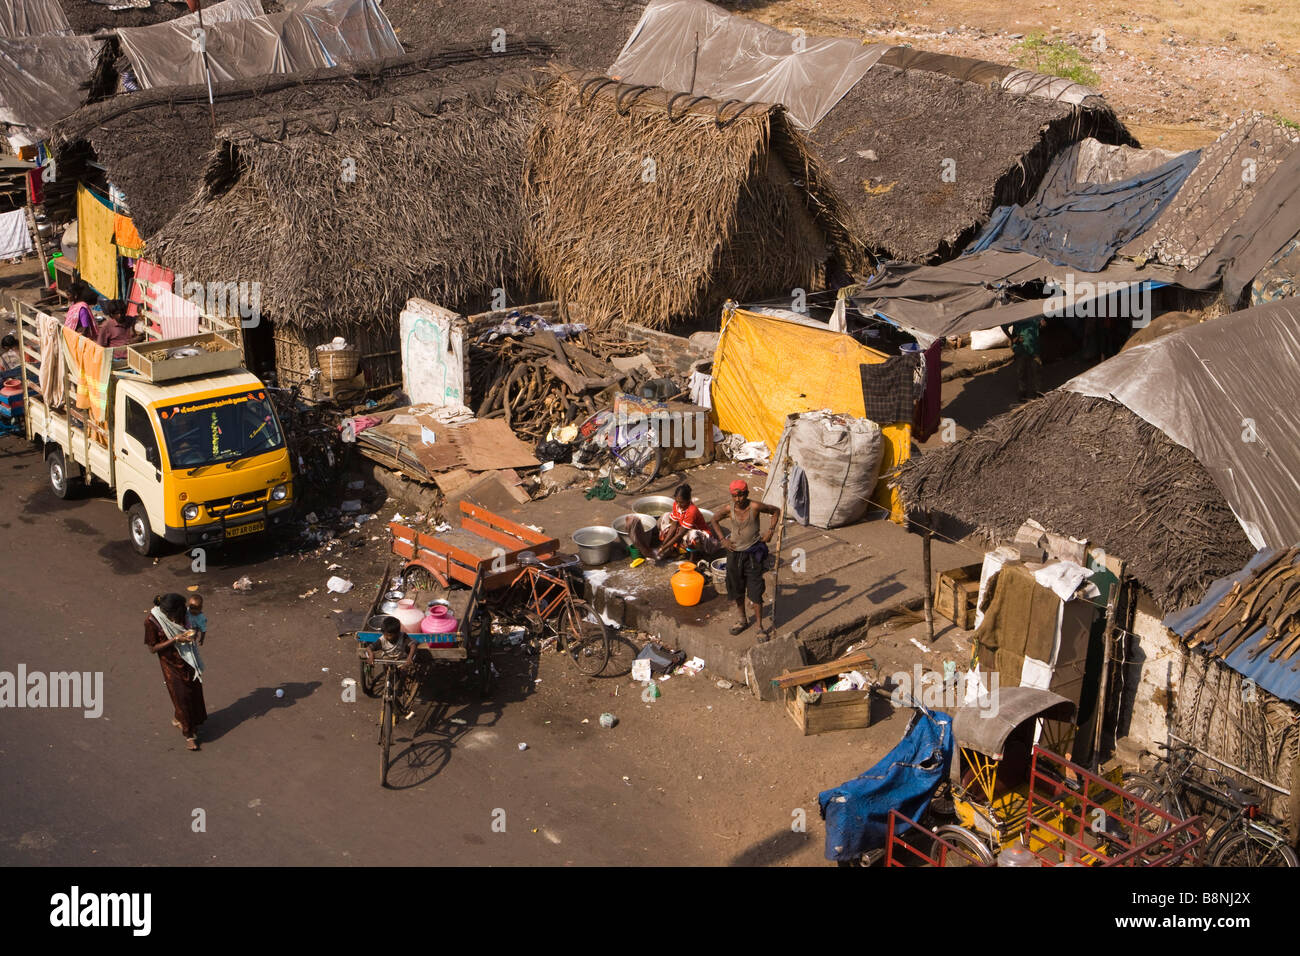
point(1279, 678)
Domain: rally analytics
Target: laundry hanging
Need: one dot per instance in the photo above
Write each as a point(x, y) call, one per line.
point(96, 250)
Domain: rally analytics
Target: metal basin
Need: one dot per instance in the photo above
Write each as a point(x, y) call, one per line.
point(623, 525)
point(653, 505)
point(595, 543)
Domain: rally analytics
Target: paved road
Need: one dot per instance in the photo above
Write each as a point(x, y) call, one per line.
point(291, 781)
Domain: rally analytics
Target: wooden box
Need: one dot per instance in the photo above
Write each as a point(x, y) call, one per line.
point(955, 594)
point(219, 356)
point(833, 710)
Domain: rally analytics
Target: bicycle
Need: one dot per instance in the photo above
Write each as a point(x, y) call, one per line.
point(631, 452)
point(541, 599)
point(393, 701)
point(1245, 837)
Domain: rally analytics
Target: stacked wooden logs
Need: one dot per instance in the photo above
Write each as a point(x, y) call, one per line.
point(1269, 599)
point(536, 382)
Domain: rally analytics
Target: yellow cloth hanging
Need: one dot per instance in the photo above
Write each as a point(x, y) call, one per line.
point(96, 250)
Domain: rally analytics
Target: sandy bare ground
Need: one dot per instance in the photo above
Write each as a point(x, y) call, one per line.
point(1177, 71)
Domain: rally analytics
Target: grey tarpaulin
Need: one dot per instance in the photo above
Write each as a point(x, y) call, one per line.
point(44, 78)
point(29, 18)
point(319, 36)
point(1219, 193)
point(1226, 390)
point(1080, 220)
point(973, 292)
point(695, 47)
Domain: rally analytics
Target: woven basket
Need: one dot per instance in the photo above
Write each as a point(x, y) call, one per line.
point(336, 364)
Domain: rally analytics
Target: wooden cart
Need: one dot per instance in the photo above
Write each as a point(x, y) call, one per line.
point(448, 557)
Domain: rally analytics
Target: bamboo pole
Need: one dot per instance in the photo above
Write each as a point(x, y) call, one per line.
point(780, 536)
point(929, 588)
point(1107, 641)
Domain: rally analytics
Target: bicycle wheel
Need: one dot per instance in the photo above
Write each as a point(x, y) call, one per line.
point(1253, 847)
point(371, 678)
point(586, 641)
point(1149, 791)
point(635, 465)
point(386, 731)
point(975, 852)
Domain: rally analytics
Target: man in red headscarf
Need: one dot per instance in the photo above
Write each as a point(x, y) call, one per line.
point(746, 552)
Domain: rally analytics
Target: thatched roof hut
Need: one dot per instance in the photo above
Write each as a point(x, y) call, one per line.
point(886, 145)
point(654, 207)
point(1089, 468)
point(344, 214)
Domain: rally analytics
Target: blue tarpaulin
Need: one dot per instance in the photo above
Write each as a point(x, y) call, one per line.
point(857, 812)
point(1276, 677)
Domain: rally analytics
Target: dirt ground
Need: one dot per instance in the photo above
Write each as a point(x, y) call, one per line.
point(1177, 71)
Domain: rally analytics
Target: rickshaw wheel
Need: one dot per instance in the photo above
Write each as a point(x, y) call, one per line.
point(968, 842)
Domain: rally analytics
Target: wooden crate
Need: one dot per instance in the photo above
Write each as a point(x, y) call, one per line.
point(833, 710)
point(225, 357)
point(955, 594)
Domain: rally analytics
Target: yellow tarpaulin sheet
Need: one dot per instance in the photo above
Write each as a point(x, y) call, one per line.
point(96, 251)
point(765, 368)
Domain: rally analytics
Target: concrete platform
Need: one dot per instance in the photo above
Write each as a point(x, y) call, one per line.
point(832, 583)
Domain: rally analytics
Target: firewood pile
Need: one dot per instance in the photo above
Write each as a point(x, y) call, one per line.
point(536, 382)
point(1269, 600)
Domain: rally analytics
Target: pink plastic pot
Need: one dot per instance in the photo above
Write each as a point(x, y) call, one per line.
point(439, 620)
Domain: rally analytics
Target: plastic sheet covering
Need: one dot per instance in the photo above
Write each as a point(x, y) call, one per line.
point(695, 47)
point(857, 812)
point(29, 18)
point(319, 36)
point(766, 368)
point(1078, 222)
point(43, 79)
point(1227, 391)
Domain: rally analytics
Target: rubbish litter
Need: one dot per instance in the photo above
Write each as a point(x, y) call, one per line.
point(641, 670)
point(919, 645)
point(339, 585)
point(279, 692)
point(349, 681)
point(243, 584)
point(608, 720)
point(522, 745)
point(351, 505)
point(693, 666)
point(309, 593)
point(724, 684)
point(459, 720)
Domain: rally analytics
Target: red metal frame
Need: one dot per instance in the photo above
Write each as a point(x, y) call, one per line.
point(897, 822)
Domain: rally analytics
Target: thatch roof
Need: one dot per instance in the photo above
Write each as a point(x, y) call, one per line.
point(585, 33)
point(429, 206)
point(1089, 468)
point(87, 16)
point(153, 142)
point(651, 206)
point(911, 121)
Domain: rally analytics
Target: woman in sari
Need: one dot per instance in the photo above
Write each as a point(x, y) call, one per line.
point(166, 635)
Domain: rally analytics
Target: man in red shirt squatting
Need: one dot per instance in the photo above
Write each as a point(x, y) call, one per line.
point(682, 527)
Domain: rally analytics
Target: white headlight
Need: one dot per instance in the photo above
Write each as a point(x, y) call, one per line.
point(279, 492)
point(190, 511)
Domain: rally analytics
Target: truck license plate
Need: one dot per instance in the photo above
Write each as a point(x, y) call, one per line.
point(251, 528)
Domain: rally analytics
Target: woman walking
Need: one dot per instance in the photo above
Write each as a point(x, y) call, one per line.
point(166, 635)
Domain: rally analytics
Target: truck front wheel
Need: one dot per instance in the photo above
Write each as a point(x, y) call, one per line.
point(142, 537)
point(62, 486)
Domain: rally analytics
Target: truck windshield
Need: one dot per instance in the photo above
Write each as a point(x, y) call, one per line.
point(225, 428)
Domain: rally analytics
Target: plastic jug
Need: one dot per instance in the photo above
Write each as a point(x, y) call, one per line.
point(439, 620)
point(688, 585)
point(409, 615)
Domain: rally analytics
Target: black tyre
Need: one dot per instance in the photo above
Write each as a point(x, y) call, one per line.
point(483, 645)
point(139, 531)
point(1254, 848)
point(636, 465)
point(63, 486)
point(586, 641)
point(975, 852)
point(385, 736)
point(371, 678)
point(1146, 789)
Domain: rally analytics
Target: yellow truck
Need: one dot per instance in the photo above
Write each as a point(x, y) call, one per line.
point(190, 444)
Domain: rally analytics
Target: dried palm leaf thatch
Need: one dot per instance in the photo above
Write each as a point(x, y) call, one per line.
point(652, 207)
point(344, 215)
point(152, 143)
point(921, 159)
point(1090, 468)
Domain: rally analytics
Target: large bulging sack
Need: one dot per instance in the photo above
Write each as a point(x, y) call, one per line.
point(840, 458)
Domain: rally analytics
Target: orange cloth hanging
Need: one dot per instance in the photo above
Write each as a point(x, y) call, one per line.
point(90, 365)
point(127, 237)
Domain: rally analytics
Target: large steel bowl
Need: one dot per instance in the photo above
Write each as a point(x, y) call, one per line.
point(623, 525)
point(653, 505)
point(595, 544)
